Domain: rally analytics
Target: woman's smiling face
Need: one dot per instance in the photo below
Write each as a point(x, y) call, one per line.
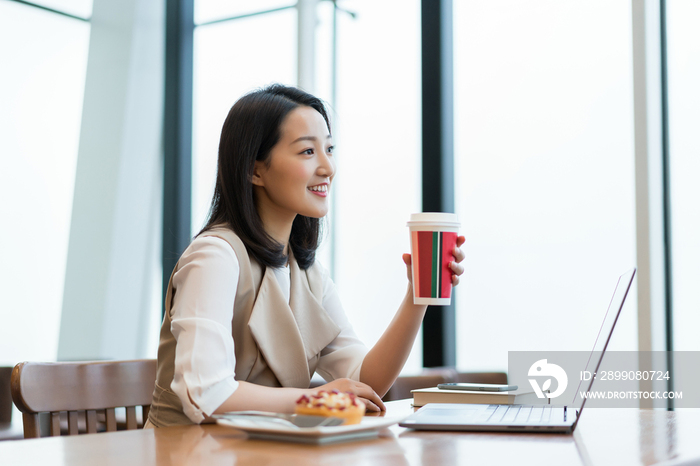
point(297, 178)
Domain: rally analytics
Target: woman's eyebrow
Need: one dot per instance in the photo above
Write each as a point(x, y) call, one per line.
point(308, 138)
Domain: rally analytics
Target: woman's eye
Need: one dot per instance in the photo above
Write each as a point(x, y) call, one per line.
point(308, 152)
point(331, 149)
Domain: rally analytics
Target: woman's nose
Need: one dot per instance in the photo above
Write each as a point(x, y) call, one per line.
point(326, 165)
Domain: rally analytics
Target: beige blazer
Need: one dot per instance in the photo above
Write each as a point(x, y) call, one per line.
point(277, 343)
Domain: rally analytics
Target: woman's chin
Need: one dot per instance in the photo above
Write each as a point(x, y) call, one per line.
point(316, 213)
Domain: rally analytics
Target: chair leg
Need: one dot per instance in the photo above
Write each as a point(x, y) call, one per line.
point(31, 425)
point(110, 420)
point(145, 411)
point(131, 418)
point(55, 424)
point(72, 422)
point(91, 421)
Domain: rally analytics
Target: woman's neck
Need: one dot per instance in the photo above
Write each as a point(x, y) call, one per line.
point(278, 225)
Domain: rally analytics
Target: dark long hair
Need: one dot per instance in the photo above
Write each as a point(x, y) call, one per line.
point(251, 130)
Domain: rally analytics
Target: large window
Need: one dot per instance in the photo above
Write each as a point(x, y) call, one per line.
point(544, 174)
point(230, 59)
point(44, 58)
point(376, 124)
point(544, 165)
point(379, 147)
point(683, 50)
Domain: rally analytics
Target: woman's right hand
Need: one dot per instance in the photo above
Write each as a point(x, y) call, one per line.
point(363, 391)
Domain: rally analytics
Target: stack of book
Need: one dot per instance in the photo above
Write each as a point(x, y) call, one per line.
point(423, 396)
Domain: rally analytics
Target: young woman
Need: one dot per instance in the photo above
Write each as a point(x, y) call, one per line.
point(250, 315)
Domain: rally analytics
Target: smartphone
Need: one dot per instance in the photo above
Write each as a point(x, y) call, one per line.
point(477, 387)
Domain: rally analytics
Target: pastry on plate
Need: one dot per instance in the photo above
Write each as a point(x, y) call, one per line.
point(332, 404)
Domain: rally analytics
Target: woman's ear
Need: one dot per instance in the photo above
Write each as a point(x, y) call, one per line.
point(258, 170)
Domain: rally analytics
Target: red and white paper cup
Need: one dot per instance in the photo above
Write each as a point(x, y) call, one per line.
point(433, 239)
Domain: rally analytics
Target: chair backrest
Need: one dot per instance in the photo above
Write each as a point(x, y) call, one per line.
point(96, 387)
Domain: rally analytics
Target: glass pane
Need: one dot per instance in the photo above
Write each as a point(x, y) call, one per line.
point(231, 59)
point(684, 121)
point(378, 156)
point(44, 59)
point(544, 174)
point(212, 10)
point(324, 53)
point(324, 90)
point(80, 8)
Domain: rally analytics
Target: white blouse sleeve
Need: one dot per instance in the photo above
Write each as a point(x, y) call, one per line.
point(204, 293)
point(343, 356)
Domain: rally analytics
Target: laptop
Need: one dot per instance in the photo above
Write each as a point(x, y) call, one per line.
point(524, 418)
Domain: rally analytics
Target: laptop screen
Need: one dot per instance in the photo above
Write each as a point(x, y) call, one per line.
point(603, 338)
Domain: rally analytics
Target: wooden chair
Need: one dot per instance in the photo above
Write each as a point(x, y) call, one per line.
point(93, 387)
point(5, 396)
point(7, 430)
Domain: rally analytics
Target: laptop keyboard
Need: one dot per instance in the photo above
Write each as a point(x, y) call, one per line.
point(520, 414)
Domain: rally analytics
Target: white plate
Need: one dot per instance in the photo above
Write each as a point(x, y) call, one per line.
point(266, 430)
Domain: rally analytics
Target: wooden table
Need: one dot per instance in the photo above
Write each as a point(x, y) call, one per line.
point(603, 437)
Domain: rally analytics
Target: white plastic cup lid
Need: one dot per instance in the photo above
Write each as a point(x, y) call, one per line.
point(434, 218)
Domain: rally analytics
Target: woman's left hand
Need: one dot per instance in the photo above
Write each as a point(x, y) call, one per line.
point(458, 270)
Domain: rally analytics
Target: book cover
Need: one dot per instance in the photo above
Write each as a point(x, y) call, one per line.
point(423, 396)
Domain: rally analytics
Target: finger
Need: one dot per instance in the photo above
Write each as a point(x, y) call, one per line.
point(455, 280)
point(376, 401)
point(461, 240)
point(456, 268)
point(366, 391)
point(370, 395)
point(371, 407)
point(458, 254)
point(407, 260)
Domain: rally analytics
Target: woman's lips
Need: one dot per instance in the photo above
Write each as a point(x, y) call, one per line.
point(320, 190)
